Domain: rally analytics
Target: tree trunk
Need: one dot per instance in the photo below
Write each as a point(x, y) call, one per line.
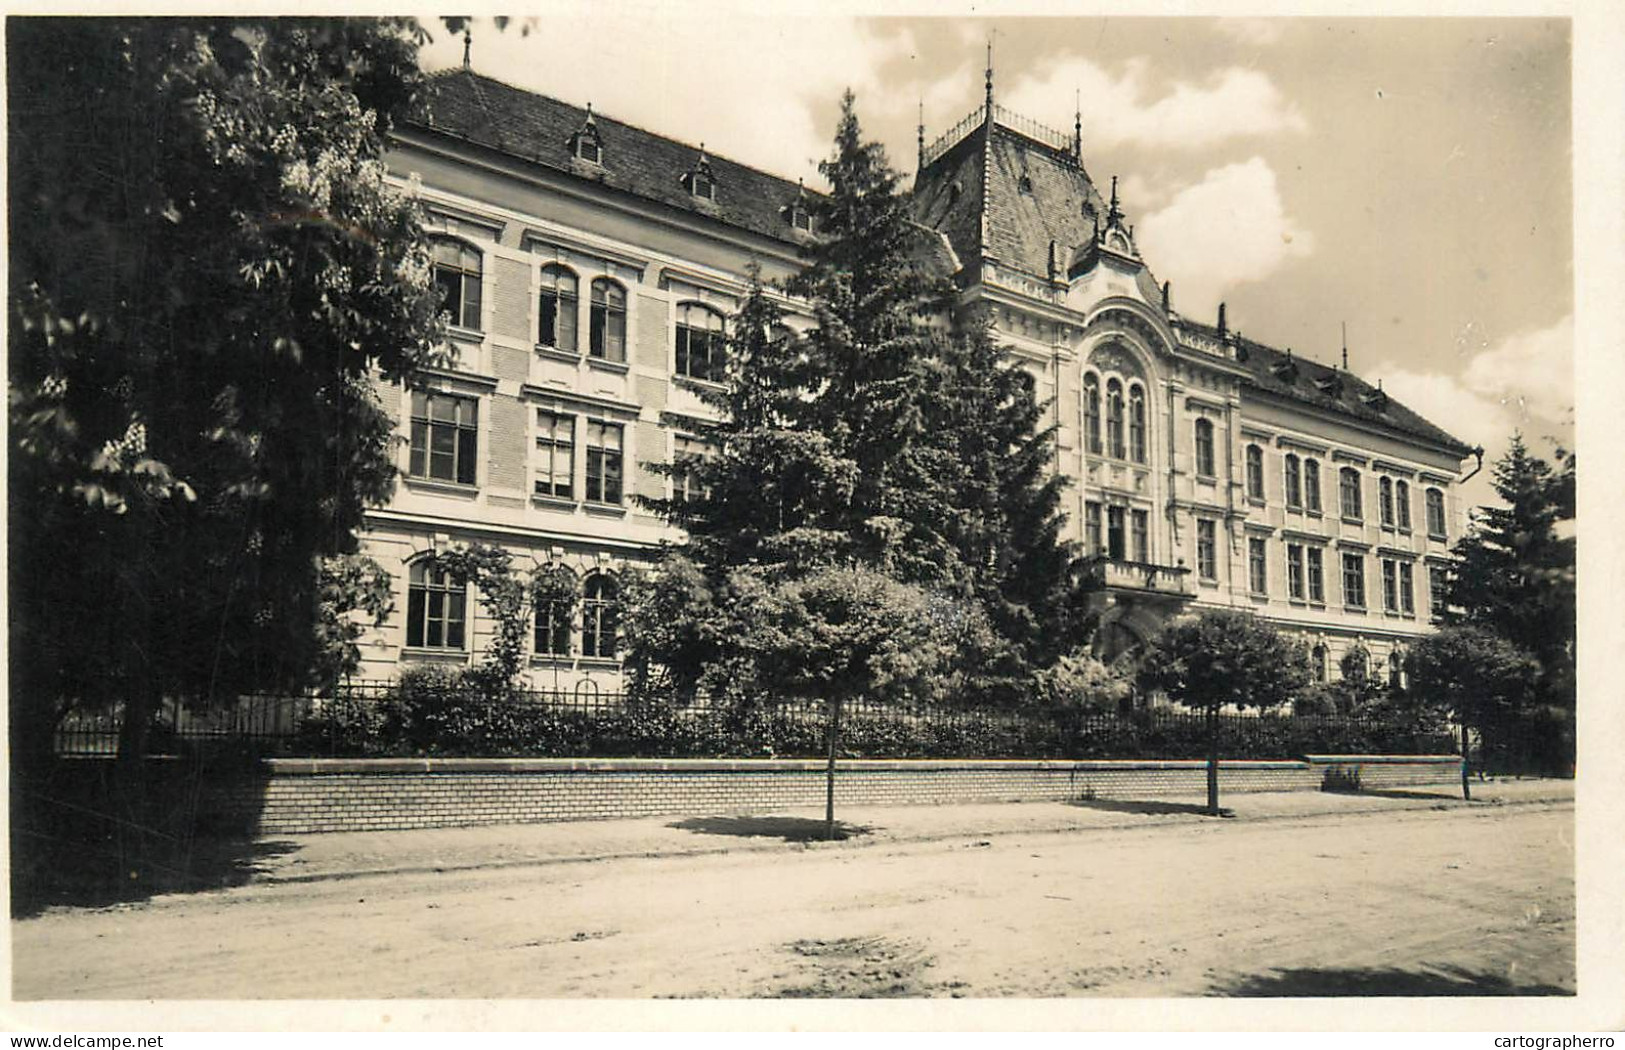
point(1213, 761)
point(829, 772)
point(1466, 792)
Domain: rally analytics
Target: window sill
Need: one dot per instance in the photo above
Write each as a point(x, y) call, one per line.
point(1405, 530)
point(1438, 537)
point(1297, 602)
point(1209, 583)
point(1255, 501)
point(1360, 609)
point(1259, 599)
point(701, 386)
point(1353, 521)
point(449, 656)
point(551, 660)
point(442, 488)
point(537, 499)
point(606, 510)
point(604, 364)
point(606, 662)
point(569, 357)
point(1207, 479)
point(1320, 604)
point(1294, 510)
point(1311, 512)
point(465, 335)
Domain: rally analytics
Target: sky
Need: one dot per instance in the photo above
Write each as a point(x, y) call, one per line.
point(1410, 178)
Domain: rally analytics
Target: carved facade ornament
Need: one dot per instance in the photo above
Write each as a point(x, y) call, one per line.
point(1111, 357)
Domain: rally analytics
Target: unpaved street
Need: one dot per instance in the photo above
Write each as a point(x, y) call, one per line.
point(1417, 902)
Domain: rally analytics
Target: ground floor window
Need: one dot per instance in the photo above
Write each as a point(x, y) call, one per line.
point(436, 608)
point(1207, 553)
point(600, 617)
point(1257, 570)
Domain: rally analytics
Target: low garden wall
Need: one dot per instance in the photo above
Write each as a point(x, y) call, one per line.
point(298, 796)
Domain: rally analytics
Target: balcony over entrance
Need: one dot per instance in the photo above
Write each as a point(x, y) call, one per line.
point(1106, 573)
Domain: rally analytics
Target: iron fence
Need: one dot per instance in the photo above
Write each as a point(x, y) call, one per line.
point(379, 718)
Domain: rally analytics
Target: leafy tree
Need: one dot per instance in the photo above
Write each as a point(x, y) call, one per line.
point(1475, 675)
point(207, 268)
point(1221, 658)
point(1516, 573)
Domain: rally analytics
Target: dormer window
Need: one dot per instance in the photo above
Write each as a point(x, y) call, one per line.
point(584, 144)
point(699, 181)
point(800, 217)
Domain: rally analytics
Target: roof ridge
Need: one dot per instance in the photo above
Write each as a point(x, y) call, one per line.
point(600, 116)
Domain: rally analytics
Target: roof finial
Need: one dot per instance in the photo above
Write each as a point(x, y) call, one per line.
point(921, 132)
point(468, 46)
point(990, 76)
point(1077, 126)
point(1345, 346)
point(589, 121)
point(1113, 213)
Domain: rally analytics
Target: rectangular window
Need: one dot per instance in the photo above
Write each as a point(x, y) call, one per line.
point(445, 437)
point(1207, 549)
point(1141, 524)
point(1311, 485)
point(1407, 588)
point(1390, 585)
point(1257, 571)
point(1091, 527)
point(1294, 483)
point(606, 321)
point(1317, 574)
point(555, 454)
point(604, 450)
point(1294, 570)
point(1354, 581)
point(436, 607)
point(686, 453)
point(1436, 589)
point(1114, 532)
point(1435, 508)
point(553, 627)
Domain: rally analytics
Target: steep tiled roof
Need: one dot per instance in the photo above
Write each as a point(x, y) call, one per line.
point(539, 129)
point(1021, 219)
point(1308, 381)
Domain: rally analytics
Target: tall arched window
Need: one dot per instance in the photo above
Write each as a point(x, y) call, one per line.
point(1294, 481)
point(555, 613)
point(1204, 448)
point(600, 616)
point(436, 608)
point(1091, 413)
point(606, 336)
point(1396, 670)
point(556, 310)
point(1402, 503)
point(1255, 472)
point(457, 273)
point(1435, 507)
point(1136, 423)
point(1311, 485)
point(1348, 487)
point(700, 346)
point(1114, 418)
point(1318, 659)
point(1385, 501)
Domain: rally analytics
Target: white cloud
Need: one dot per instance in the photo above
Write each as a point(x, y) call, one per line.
point(1524, 383)
point(1227, 230)
point(745, 86)
point(1128, 108)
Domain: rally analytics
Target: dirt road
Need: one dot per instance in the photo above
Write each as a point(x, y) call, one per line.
point(1466, 901)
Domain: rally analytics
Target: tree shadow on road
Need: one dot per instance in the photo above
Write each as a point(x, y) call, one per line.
point(1442, 795)
point(1317, 983)
point(791, 829)
point(99, 872)
point(1147, 807)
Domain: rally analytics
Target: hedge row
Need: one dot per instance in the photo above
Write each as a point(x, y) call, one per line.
point(420, 725)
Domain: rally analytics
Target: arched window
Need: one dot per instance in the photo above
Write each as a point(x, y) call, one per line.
point(1402, 503)
point(1348, 487)
point(600, 616)
point(436, 608)
point(1255, 472)
point(1435, 504)
point(1091, 413)
point(1204, 448)
point(1114, 418)
point(557, 308)
point(555, 613)
point(1311, 485)
point(1294, 481)
point(457, 273)
point(1136, 423)
point(1396, 670)
point(606, 337)
point(1385, 501)
point(1318, 659)
point(700, 343)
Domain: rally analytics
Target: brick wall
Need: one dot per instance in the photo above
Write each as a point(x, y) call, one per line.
point(300, 796)
point(510, 299)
